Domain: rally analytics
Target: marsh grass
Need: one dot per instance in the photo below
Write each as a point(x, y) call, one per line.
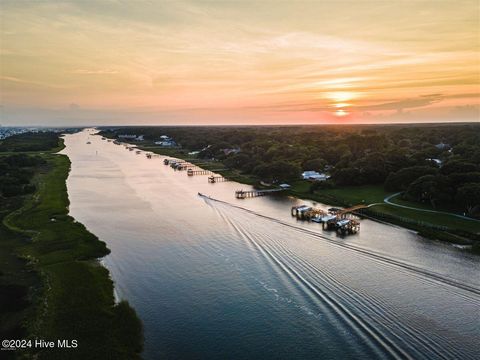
point(67, 294)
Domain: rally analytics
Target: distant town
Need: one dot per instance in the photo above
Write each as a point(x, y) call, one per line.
point(7, 131)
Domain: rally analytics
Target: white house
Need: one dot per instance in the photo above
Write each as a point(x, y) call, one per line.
point(314, 175)
point(126, 136)
point(168, 143)
point(230, 151)
point(442, 146)
point(437, 162)
point(131, 137)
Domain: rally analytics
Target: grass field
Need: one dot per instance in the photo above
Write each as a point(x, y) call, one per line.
point(344, 196)
point(17, 280)
point(398, 200)
point(431, 218)
point(73, 297)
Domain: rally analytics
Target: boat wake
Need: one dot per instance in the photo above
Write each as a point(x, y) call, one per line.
point(413, 268)
point(372, 319)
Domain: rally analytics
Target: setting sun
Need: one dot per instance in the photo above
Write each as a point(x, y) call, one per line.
point(238, 62)
point(225, 154)
point(341, 96)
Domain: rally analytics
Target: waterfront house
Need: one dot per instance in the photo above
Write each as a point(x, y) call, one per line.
point(166, 143)
point(314, 176)
point(442, 146)
point(131, 137)
point(230, 151)
point(437, 162)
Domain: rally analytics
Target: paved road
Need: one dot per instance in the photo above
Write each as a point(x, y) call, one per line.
point(387, 201)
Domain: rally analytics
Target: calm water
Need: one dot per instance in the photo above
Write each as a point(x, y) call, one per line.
point(242, 279)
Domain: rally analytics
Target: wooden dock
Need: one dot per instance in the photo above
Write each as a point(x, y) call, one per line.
point(343, 221)
point(342, 226)
point(185, 166)
point(192, 172)
point(345, 213)
point(178, 161)
point(214, 179)
point(242, 194)
point(173, 161)
point(305, 212)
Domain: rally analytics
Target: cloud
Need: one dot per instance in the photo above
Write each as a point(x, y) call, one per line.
point(398, 105)
point(95, 72)
point(421, 101)
point(16, 80)
point(466, 112)
point(225, 58)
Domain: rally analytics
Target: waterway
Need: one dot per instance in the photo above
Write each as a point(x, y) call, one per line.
point(225, 278)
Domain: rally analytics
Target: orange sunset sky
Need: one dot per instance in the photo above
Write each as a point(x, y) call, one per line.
point(238, 62)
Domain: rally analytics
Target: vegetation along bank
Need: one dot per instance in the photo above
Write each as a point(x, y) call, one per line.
point(424, 177)
point(52, 285)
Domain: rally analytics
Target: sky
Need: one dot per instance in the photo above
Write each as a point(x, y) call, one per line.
point(95, 62)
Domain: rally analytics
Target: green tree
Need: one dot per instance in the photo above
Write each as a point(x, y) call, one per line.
point(435, 189)
point(277, 171)
point(400, 180)
point(457, 166)
point(314, 164)
point(468, 197)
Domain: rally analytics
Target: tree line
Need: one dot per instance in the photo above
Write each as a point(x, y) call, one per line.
point(436, 164)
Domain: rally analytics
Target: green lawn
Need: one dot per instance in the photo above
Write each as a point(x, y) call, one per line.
point(398, 200)
point(449, 221)
point(345, 196)
point(375, 194)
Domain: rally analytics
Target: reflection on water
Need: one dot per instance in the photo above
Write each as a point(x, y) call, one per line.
point(242, 279)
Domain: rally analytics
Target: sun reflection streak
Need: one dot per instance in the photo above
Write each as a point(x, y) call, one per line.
point(341, 113)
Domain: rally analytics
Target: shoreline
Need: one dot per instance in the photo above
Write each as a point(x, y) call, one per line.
point(430, 232)
point(74, 296)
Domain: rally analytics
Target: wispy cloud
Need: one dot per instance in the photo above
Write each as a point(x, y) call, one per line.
point(94, 71)
point(281, 60)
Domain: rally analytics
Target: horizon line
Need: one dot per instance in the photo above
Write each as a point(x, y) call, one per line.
point(248, 125)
